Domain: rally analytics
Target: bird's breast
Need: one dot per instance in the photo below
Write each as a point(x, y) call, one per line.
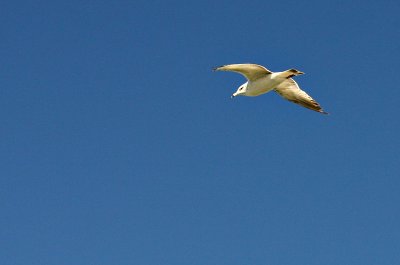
point(261, 86)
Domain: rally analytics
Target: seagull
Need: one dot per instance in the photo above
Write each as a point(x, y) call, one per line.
point(260, 80)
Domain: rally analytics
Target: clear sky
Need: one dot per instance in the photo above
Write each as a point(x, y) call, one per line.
point(119, 145)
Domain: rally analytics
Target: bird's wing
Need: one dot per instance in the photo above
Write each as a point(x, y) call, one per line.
point(250, 71)
point(291, 91)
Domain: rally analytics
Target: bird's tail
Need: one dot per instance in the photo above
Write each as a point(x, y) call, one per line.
point(291, 72)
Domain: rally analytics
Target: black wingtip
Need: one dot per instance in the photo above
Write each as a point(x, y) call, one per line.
point(217, 67)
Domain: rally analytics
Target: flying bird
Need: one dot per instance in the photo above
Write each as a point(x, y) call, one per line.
point(260, 80)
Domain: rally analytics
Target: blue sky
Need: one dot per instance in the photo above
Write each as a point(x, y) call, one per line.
point(119, 145)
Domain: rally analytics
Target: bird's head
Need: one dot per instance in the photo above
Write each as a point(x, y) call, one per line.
point(240, 91)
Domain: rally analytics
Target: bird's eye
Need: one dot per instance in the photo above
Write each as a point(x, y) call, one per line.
point(241, 88)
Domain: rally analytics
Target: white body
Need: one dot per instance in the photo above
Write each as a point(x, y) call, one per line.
point(263, 85)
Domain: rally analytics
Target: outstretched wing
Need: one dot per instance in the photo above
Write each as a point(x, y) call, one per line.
point(250, 71)
point(291, 91)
